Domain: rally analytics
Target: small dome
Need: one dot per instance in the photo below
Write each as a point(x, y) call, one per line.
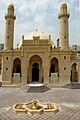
point(36, 33)
point(11, 5)
point(64, 4)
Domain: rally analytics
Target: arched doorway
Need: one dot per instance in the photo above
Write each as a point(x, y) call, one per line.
point(35, 72)
point(17, 66)
point(74, 73)
point(54, 66)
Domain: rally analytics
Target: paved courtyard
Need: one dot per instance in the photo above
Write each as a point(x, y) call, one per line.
point(66, 99)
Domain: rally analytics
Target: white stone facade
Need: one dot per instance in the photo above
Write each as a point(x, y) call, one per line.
point(36, 59)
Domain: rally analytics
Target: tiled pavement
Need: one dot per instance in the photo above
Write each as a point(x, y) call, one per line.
point(66, 99)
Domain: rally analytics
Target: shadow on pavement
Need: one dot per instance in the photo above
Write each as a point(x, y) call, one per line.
point(72, 86)
point(38, 89)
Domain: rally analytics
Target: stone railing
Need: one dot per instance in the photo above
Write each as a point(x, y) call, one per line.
point(16, 78)
point(54, 78)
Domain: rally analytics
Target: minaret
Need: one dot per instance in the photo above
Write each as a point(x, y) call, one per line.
point(9, 32)
point(64, 33)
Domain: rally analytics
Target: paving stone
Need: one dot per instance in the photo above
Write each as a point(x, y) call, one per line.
point(67, 100)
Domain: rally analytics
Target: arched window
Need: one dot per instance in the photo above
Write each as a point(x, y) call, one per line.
point(54, 66)
point(17, 66)
point(74, 73)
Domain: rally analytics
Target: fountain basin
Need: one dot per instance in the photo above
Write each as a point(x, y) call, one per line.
point(50, 107)
point(35, 107)
point(19, 107)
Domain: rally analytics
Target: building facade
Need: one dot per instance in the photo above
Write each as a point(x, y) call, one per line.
point(36, 58)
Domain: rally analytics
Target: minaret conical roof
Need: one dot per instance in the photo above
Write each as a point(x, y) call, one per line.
point(11, 5)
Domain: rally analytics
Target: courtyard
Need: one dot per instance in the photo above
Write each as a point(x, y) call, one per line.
point(67, 99)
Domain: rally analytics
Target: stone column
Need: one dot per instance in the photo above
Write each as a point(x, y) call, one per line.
point(7, 69)
point(24, 70)
point(46, 68)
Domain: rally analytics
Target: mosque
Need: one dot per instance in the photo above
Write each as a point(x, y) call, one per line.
point(36, 58)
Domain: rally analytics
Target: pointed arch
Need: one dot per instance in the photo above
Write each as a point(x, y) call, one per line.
point(17, 66)
point(74, 73)
point(54, 66)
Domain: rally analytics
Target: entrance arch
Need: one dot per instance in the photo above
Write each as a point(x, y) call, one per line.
point(74, 73)
point(35, 70)
point(54, 66)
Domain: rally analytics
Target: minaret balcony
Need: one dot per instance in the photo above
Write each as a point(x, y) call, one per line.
point(63, 15)
point(10, 16)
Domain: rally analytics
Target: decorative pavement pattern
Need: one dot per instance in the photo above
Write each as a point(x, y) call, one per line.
point(66, 98)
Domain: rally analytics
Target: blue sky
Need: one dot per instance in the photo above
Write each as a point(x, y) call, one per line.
point(41, 15)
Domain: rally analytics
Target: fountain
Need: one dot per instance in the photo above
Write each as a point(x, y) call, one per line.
point(50, 107)
point(35, 107)
point(19, 107)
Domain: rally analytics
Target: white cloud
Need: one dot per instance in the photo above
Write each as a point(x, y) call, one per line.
point(32, 14)
point(28, 6)
point(39, 19)
point(77, 9)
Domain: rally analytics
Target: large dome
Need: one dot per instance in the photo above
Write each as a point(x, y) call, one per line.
point(36, 33)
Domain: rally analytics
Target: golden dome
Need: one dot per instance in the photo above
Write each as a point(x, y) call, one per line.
point(11, 5)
